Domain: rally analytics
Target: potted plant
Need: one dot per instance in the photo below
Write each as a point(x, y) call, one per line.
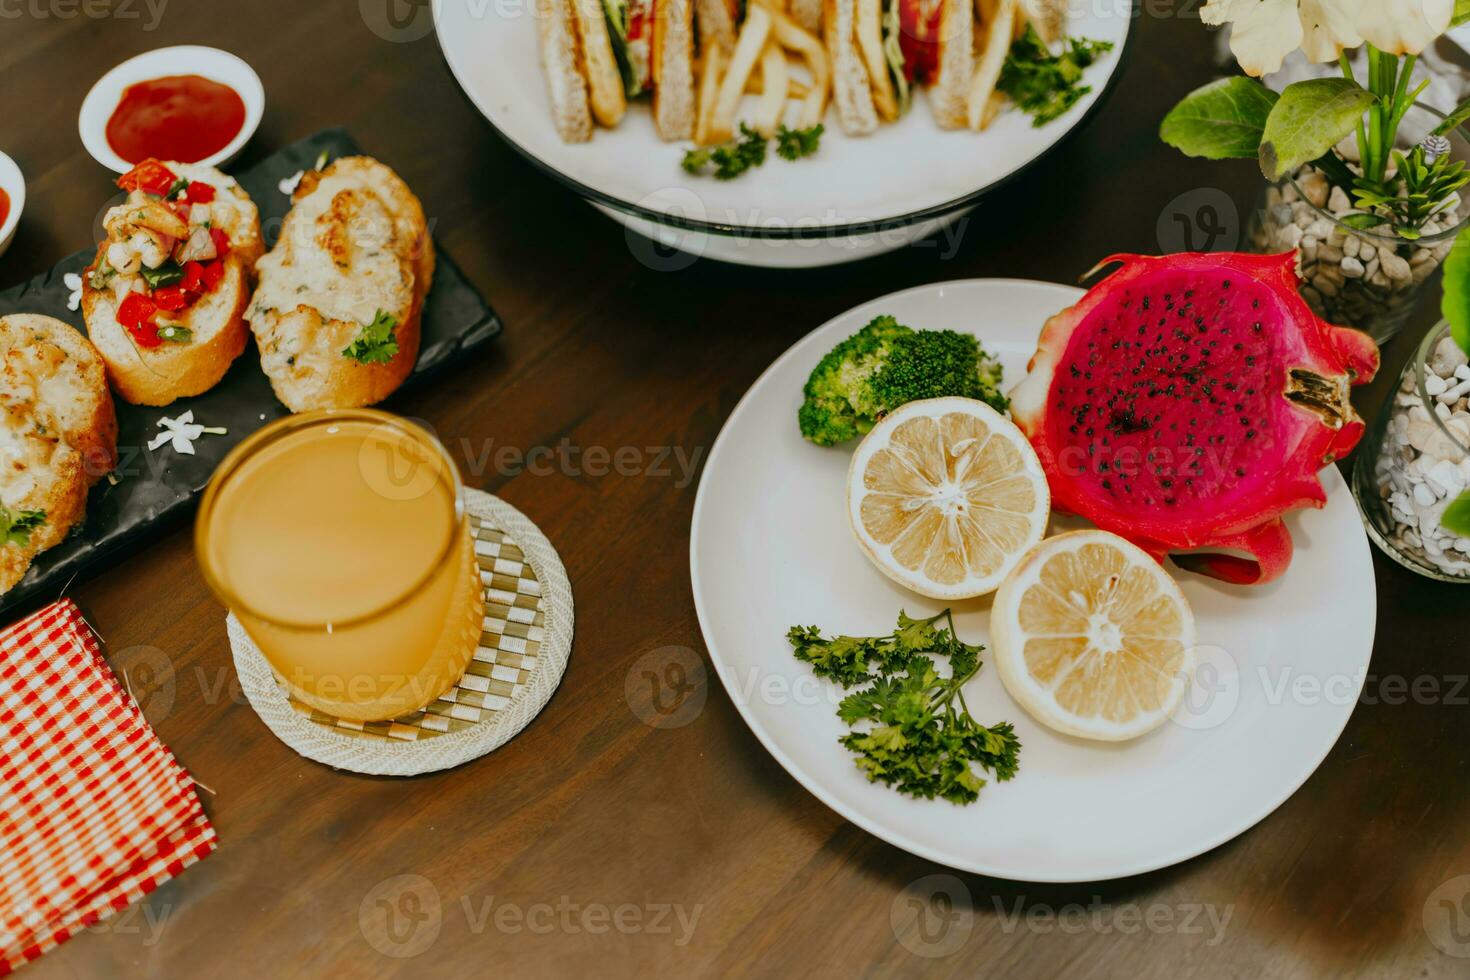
point(1412, 479)
point(1364, 180)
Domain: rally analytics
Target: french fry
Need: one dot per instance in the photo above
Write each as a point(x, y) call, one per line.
point(992, 109)
point(773, 81)
point(795, 87)
point(987, 9)
point(793, 38)
point(748, 50)
point(992, 60)
point(709, 88)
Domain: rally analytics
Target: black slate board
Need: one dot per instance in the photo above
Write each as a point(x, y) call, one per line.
point(156, 488)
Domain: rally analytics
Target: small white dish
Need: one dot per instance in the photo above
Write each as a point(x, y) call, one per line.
point(13, 183)
point(1281, 668)
point(187, 59)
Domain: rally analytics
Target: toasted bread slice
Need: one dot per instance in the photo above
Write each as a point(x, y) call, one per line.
point(58, 436)
point(604, 81)
point(561, 61)
point(216, 331)
point(949, 90)
point(674, 108)
point(354, 251)
point(852, 92)
point(719, 24)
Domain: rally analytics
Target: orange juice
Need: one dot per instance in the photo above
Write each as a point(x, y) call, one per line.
point(338, 539)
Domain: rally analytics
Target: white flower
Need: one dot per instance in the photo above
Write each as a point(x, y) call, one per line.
point(289, 185)
point(1264, 32)
point(182, 432)
point(1402, 26)
point(73, 282)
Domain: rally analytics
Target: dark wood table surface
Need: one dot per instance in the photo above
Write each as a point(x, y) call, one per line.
point(623, 849)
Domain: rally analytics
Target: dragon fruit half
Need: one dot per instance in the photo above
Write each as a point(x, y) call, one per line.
point(1187, 402)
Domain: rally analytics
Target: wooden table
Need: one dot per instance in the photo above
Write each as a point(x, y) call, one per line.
point(621, 849)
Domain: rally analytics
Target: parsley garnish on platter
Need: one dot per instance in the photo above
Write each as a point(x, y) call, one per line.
point(911, 727)
point(793, 144)
point(16, 525)
point(376, 343)
point(730, 159)
point(1044, 84)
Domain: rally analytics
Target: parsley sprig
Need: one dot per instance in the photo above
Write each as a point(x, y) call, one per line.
point(376, 344)
point(16, 525)
point(1044, 84)
point(911, 727)
point(734, 157)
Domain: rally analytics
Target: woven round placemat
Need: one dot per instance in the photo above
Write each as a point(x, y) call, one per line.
point(523, 652)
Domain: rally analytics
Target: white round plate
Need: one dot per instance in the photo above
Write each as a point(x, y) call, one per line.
point(13, 183)
point(1281, 665)
point(905, 172)
point(185, 59)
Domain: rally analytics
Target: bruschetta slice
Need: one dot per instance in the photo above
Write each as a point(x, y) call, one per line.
point(337, 309)
point(165, 298)
point(58, 436)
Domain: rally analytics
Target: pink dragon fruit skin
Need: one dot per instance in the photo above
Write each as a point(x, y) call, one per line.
point(1188, 401)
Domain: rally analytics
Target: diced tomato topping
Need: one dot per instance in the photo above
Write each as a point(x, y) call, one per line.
point(136, 314)
point(135, 309)
point(919, 38)
point(639, 17)
point(213, 273)
point(150, 177)
point(199, 192)
point(221, 242)
point(172, 298)
point(193, 281)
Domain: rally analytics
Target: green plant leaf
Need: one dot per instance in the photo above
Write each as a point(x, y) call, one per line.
point(1456, 517)
point(1462, 13)
point(1362, 221)
point(1221, 121)
point(1308, 120)
point(1456, 118)
point(1455, 303)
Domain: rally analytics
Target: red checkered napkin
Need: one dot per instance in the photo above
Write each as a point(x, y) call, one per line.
point(96, 813)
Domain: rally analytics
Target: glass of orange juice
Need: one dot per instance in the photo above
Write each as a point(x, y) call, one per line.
point(339, 540)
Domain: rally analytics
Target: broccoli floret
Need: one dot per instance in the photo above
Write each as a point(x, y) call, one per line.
point(886, 365)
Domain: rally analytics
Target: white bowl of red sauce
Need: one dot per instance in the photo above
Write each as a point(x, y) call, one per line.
point(187, 103)
point(12, 200)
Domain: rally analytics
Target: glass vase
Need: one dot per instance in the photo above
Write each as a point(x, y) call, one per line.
point(1415, 460)
point(1370, 279)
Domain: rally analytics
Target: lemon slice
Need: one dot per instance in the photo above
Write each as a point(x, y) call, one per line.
point(1093, 637)
point(945, 496)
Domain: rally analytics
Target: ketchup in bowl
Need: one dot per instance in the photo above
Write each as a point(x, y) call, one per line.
point(4, 206)
point(179, 117)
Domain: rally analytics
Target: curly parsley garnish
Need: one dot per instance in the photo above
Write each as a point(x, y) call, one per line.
point(376, 344)
point(911, 727)
point(16, 526)
point(1044, 84)
point(729, 159)
point(793, 144)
